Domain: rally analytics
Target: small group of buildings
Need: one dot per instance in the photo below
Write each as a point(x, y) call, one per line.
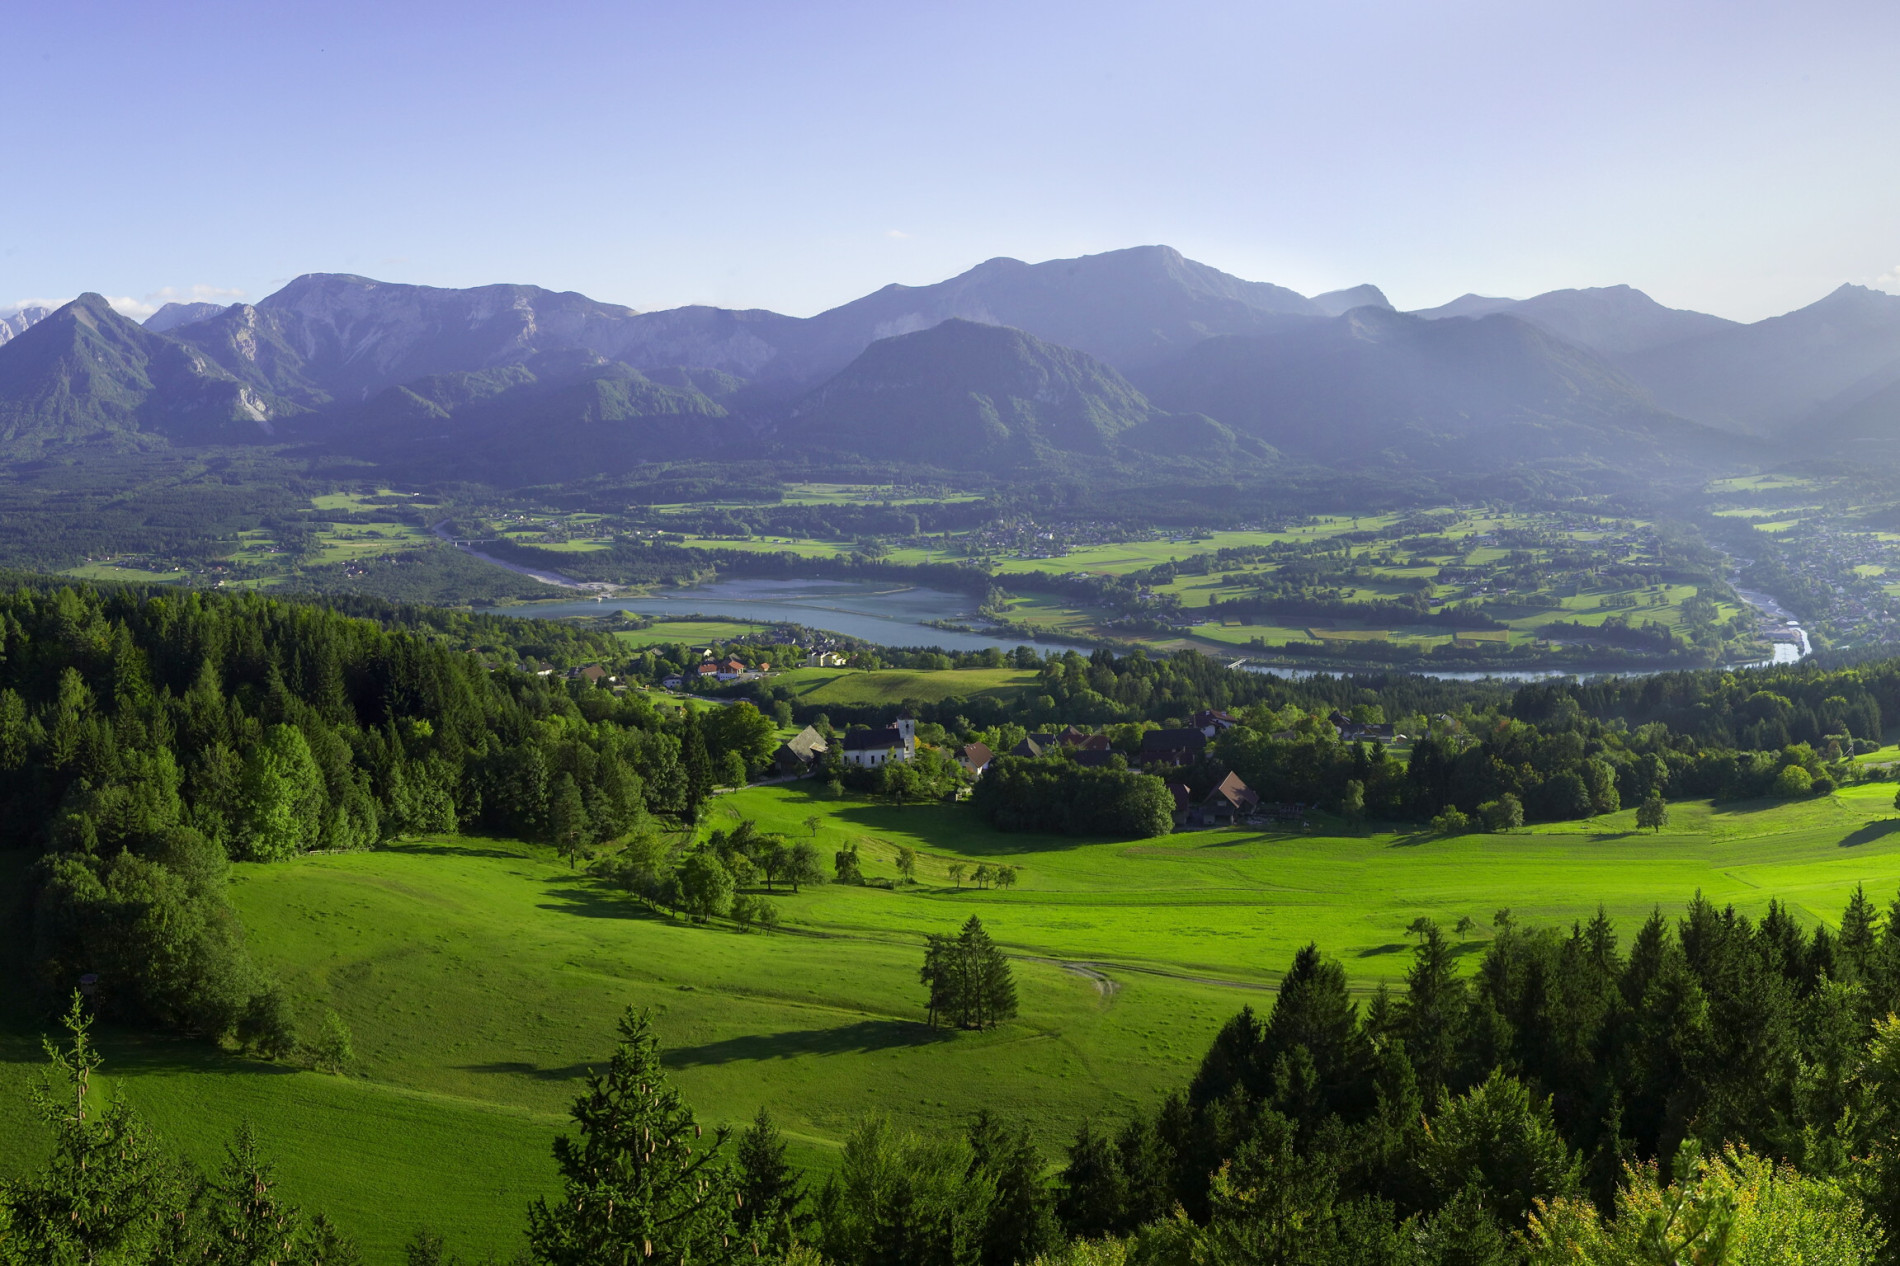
point(868, 749)
point(1351, 731)
point(1083, 749)
point(1230, 803)
point(718, 670)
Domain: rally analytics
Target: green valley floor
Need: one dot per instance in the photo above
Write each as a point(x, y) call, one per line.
point(481, 978)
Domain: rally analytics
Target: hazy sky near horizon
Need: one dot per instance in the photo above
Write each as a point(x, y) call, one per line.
point(1731, 156)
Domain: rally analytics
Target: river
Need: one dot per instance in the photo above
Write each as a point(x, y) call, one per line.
point(884, 614)
point(898, 615)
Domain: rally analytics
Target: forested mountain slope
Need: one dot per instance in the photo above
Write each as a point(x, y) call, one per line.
point(86, 375)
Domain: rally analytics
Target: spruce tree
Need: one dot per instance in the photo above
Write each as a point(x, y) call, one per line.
point(939, 977)
point(1094, 1190)
point(769, 1190)
point(993, 988)
point(1432, 1015)
point(245, 1223)
point(106, 1193)
point(695, 764)
point(1021, 1223)
point(1857, 939)
point(641, 1184)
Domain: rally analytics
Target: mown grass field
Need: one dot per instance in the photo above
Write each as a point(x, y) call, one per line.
point(481, 977)
point(701, 632)
point(893, 686)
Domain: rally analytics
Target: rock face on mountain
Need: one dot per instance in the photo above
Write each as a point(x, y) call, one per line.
point(15, 323)
point(173, 315)
point(1461, 392)
point(334, 338)
point(86, 375)
point(1612, 321)
point(1784, 373)
point(967, 395)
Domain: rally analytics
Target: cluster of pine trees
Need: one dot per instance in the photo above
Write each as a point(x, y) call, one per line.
point(968, 978)
point(1509, 1115)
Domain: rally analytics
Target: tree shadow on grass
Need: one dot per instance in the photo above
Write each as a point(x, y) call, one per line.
point(1733, 807)
point(129, 1052)
point(1390, 947)
point(423, 848)
point(1871, 832)
point(861, 1038)
point(522, 1068)
point(577, 895)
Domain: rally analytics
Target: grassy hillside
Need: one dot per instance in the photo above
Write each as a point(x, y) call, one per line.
point(481, 977)
point(851, 685)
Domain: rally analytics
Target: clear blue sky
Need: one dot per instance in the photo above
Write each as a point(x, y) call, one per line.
point(1732, 156)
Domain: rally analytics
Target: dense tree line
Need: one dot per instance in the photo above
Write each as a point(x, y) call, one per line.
point(146, 739)
point(1500, 1114)
point(1055, 794)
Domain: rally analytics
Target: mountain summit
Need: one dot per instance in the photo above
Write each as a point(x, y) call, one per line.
point(86, 375)
point(962, 394)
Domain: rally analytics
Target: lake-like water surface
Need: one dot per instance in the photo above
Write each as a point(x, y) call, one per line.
point(897, 615)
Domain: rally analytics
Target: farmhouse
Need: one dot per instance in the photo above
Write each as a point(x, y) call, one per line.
point(1172, 747)
point(797, 754)
point(868, 749)
point(975, 758)
point(1211, 721)
point(1228, 803)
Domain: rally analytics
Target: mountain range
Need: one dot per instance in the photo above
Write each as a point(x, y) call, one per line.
point(14, 323)
point(1124, 358)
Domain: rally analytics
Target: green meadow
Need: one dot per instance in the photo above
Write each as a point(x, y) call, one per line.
point(691, 632)
point(481, 978)
point(851, 685)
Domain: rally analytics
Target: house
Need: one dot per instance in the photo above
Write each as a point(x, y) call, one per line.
point(1172, 747)
point(1093, 757)
point(593, 674)
point(731, 670)
point(824, 659)
point(975, 758)
point(674, 682)
point(868, 749)
point(1071, 737)
point(797, 754)
point(1228, 803)
point(1351, 731)
point(1211, 721)
point(705, 671)
point(1028, 747)
point(1094, 743)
